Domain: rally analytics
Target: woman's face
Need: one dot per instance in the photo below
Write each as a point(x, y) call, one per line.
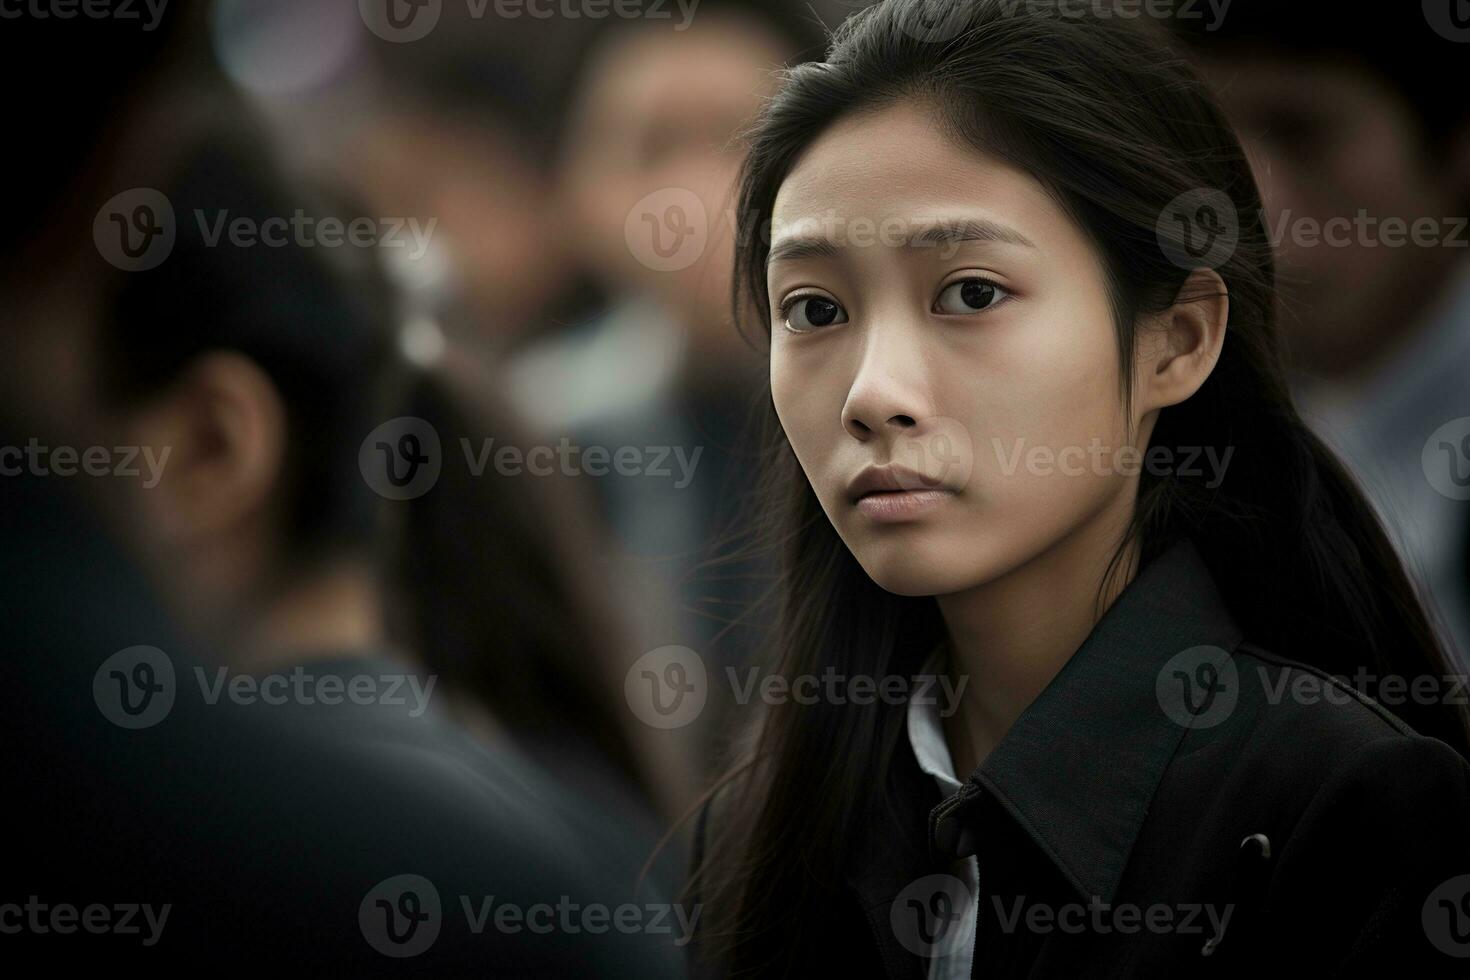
point(943, 355)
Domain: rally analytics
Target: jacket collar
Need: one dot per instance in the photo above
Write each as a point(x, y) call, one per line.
point(1078, 769)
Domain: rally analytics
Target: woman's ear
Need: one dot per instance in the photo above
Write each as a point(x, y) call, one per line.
point(223, 425)
point(1178, 348)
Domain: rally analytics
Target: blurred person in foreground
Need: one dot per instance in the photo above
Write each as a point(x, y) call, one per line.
point(245, 835)
point(1359, 134)
point(278, 380)
point(651, 151)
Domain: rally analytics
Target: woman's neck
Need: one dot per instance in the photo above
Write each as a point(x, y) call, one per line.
point(333, 611)
point(1012, 635)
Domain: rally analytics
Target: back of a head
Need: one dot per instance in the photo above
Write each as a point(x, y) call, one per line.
point(251, 270)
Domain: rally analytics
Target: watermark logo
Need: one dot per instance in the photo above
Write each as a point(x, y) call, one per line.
point(135, 687)
point(403, 916)
point(303, 230)
point(135, 230)
point(935, 454)
point(1199, 229)
point(934, 21)
point(1198, 687)
point(1446, 917)
point(927, 916)
point(138, 687)
point(400, 21)
point(667, 687)
point(1446, 459)
point(401, 459)
point(400, 917)
point(1449, 18)
point(668, 230)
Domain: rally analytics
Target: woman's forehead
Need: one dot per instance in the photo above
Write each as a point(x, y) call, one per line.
point(897, 164)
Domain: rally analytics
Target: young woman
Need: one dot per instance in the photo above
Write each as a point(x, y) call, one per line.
point(1031, 434)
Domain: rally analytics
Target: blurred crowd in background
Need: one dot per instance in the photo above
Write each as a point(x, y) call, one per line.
point(500, 440)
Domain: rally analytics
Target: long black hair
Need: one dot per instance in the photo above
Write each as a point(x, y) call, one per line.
point(1113, 121)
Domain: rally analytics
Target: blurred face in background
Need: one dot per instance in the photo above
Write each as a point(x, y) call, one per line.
point(657, 115)
point(489, 205)
point(1327, 140)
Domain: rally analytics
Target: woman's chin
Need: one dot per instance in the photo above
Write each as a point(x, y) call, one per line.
point(912, 575)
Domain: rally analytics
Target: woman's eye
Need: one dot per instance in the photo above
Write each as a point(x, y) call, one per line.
point(812, 313)
point(969, 296)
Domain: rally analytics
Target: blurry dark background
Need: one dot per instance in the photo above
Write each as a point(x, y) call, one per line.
point(546, 189)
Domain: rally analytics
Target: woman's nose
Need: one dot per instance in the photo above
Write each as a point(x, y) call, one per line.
point(863, 423)
point(889, 393)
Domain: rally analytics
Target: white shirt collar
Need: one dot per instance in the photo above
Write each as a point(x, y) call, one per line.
point(926, 736)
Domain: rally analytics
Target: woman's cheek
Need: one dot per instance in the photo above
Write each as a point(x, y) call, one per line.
point(798, 397)
point(1050, 396)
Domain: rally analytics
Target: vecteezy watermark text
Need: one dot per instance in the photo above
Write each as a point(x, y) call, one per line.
point(403, 21)
point(136, 688)
point(402, 916)
point(137, 230)
point(37, 459)
point(90, 9)
point(1101, 917)
point(834, 687)
point(570, 459)
point(63, 918)
point(1100, 460)
point(303, 687)
point(403, 458)
point(669, 686)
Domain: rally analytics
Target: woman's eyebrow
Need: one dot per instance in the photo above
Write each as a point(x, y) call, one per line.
point(970, 230)
point(801, 247)
point(951, 232)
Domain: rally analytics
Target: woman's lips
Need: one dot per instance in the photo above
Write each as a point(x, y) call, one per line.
point(891, 506)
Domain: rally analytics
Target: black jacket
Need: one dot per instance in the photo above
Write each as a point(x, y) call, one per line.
point(1176, 803)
